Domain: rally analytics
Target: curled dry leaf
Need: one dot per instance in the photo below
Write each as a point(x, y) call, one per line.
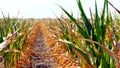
point(4, 44)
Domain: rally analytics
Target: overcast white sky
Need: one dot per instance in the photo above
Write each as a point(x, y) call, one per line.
point(47, 8)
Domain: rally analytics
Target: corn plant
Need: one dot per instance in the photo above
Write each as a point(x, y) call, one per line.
point(13, 38)
point(92, 43)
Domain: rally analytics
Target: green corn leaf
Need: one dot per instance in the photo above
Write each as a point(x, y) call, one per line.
point(64, 29)
point(112, 64)
point(61, 23)
point(65, 35)
point(80, 51)
point(107, 58)
point(103, 26)
point(85, 19)
point(102, 20)
point(103, 14)
point(71, 49)
point(77, 49)
point(80, 29)
point(108, 15)
point(97, 23)
point(104, 63)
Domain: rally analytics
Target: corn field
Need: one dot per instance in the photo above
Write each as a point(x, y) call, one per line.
point(62, 42)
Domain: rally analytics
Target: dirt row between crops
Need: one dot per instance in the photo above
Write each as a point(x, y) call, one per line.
point(37, 53)
point(43, 52)
point(41, 58)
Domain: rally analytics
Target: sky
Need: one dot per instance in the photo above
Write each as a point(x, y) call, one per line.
point(48, 8)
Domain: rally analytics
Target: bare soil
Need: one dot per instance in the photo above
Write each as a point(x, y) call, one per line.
point(42, 57)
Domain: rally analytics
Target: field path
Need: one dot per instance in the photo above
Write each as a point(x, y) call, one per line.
point(41, 58)
point(37, 53)
point(43, 50)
